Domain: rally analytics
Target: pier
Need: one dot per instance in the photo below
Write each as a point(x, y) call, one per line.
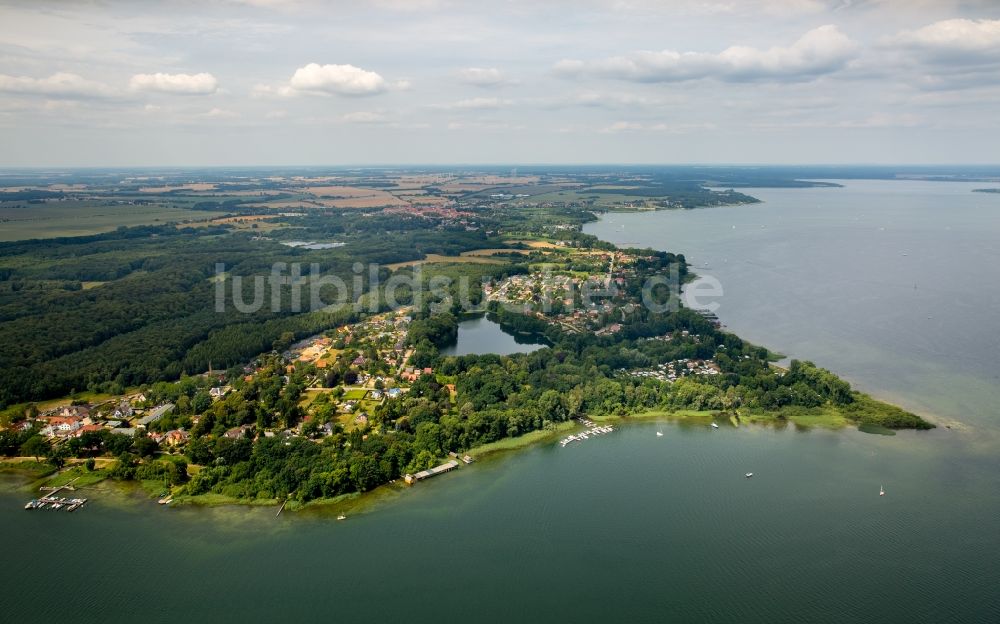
point(52, 501)
point(56, 503)
point(431, 472)
point(593, 430)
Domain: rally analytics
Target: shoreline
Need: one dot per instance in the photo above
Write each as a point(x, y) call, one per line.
point(826, 416)
point(141, 493)
point(879, 395)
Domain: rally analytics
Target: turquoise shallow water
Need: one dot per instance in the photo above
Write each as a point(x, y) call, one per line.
point(632, 526)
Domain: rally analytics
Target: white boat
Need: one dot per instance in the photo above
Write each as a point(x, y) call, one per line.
point(748, 475)
point(659, 434)
point(341, 517)
point(881, 491)
point(715, 426)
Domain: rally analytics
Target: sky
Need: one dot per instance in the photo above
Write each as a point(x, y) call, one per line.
point(302, 82)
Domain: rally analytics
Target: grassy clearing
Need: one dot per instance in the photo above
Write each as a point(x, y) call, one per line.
point(29, 467)
point(11, 412)
point(355, 394)
point(509, 444)
point(82, 476)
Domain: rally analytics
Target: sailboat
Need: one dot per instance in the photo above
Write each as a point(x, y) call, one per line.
point(881, 491)
point(659, 434)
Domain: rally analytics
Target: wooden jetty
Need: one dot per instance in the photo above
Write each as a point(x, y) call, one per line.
point(431, 472)
point(54, 502)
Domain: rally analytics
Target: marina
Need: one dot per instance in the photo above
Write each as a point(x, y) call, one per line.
point(55, 503)
point(51, 501)
point(593, 430)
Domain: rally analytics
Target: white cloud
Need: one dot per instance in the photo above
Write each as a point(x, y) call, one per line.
point(479, 103)
point(263, 90)
point(482, 76)
point(954, 41)
point(178, 84)
point(337, 79)
point(820, 51)
point(61, 84)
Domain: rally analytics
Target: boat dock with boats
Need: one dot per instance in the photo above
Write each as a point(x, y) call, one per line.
point(56, 502)
point(51, 501)
point(593, 430)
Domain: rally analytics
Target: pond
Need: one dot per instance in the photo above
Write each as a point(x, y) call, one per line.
point(480, 334)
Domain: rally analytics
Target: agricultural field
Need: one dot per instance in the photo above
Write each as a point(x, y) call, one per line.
point(23, 221)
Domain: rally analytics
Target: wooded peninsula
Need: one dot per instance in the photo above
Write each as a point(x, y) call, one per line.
point(120, 362)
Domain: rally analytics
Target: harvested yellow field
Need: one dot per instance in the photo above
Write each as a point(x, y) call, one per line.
point(341, 191)
point(295, 203)
point(365, 202)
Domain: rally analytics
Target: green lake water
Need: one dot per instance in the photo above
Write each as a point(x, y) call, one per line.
point(631, 526)
point(480, 334)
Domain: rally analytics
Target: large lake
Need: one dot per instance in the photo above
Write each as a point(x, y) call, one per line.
point(893, 284)
point(631, 526)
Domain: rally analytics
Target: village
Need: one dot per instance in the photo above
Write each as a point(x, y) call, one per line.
point(378, 373)
point(585, 296)
point(372, 355)
point(672, 371)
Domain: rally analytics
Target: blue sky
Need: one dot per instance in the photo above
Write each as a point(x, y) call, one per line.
point(436, 81)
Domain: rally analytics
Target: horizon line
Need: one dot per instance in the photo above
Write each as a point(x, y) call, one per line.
point(5, 168)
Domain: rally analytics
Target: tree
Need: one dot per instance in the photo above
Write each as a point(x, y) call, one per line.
point(36, 446)
point(201, 402)
point(284, 341)
point(57, 455)
point(146, 447)
point(117, 443)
